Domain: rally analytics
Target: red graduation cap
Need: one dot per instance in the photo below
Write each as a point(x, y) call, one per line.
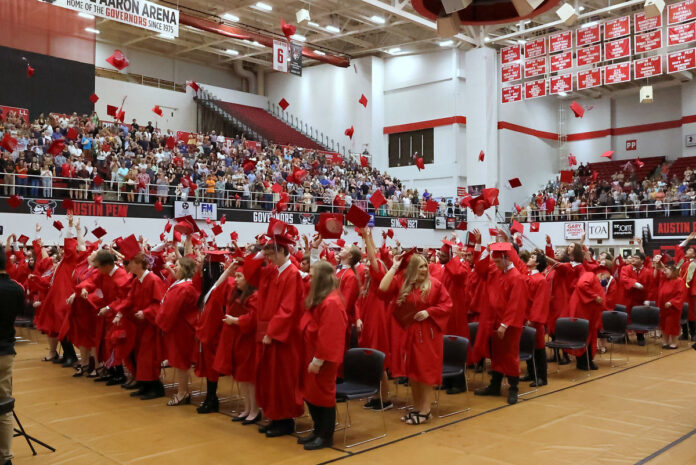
point(217, 229)
point(349, 132)
point(403, 222)
point(171, 142)
point(167, 227)
point(217, 256)
point(577, 109)
point(98, 180)
point(572, 161)
point(193, 85)
point(518, 207)
point(49, 212)
point(30, 70)
point(234, 235)
point(162, 237)
point(481, 155)
point(8, 142)
point(299, 174)
point(534, 227)
point(118, 60)
point(68, 204)
point(249, 165)
point(516, 227)
point(184, 228)
point(58, 225)
point(639, 163)
point(111, 110)
point(566, 176)
point(420, 163)
point(288, 29)
point(490, 194)
point(158, 206)
point(23, 239)
point(56, 147)
point(223, 219)
point(129, 247)
point(283, 104)
point(363, 161)
point(157, 110)
point(330, 225)
point(363, 100)
point(377, 199)
point(595, 175)
point(406, 258)
point(358, 216)
point(390, 233)
point(515, 182)
point(431, 206)
point(188, 219)
point(276, 227)
point(501, 247)
point(252, 270)
point(208, 221)
point(93, 98)
point(492, 232)
point(98, 199)
point(121, 116)
point(608, 154)
point(72, 133)
point(276, 188)
point(341, 243)
point(462, 226)
point(99, 232)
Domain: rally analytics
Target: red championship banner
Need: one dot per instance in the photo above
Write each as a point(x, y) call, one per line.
point(561, 61)
point(561, 41)
point(535, 48)
point(512, 93)
point(511, 72)
point(590, 78)
point(511, 54)
point(681, 33)
point(21, 112)
point(535, 67)
point(534, 89)
point(587, 35)
point(647, 67)
point(620, 72)
point(589, 55)
point(645, 24)
point(680, 12)
point(615, 28)
point(649, 41)
point(617, 49)
point(562, 83)
point(681, 60)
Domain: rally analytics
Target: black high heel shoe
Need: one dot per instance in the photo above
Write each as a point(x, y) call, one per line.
point(254, 420)
point(81, 370)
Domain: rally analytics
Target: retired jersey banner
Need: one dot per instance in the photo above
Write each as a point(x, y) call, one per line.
point(647, 67)
point(616, 49)
point(534, 89)
point(280, 56)
point(615, 28)
point(680, 12)
point(587, 35)
point(615, 74)
point(681, 33)
point(562, 83)
point(512, 72)
point(138, 13)
point(649, 41)
point(561, 61)
point(561, 42)
point(535, 48)
point(681, 60)
point(642, 23)
point(512, 93)
point(589, 78)
point(589, 55)
point(511, 54)
point(535, 67)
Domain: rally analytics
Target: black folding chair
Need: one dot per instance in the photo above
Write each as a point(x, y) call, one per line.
point(473, 330)
point(455, 350)
point(571, 334)
point(645, 319)
point(684, 320)
point(527, 344)
point(362, 377)
point(6, 406)
point(620, 308)
point(614, 325)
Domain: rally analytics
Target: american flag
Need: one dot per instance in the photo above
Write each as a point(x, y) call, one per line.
point(461, 192)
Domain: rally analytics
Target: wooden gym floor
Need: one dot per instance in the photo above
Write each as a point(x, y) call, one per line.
point(639, 413)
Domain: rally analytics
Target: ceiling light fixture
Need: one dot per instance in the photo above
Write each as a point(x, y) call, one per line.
point(299, 37)
point(332, 28)
point(446, 43)
point(263, 6)
point(378, 19)
point(92, 30)
point(313, 24)
point(590, 24)
point(394, 51)
point(562, 94)
point(162, 35)
point(230, 17)
point(230, 51)
point(319, 52)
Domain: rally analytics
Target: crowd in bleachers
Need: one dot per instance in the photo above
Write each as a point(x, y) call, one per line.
point(140, 163)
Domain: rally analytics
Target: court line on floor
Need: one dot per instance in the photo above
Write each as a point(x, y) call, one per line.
point(666, 448)
point(445, 425)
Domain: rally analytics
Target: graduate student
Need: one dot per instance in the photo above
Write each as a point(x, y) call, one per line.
point(671, 296)
point(539, 303)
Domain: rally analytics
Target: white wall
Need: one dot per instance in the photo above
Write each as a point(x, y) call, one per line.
point(688, 99)
point(236, 96)
point(179, 108)
point(167, 68)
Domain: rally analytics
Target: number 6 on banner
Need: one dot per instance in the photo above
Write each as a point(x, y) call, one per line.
point(280, 51)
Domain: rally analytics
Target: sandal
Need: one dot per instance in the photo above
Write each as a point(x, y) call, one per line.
point(50, 359)
point(408, 416)
point(418, 418)
point(80, 370)
point(174, 401)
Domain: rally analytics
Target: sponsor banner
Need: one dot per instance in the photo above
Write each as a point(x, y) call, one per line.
point(615, 28)
point(535, 48)
point(562, 83)
point(512, 93)
point(511, 54)
point(561, 42)
point(21, 112)
point(616, 49)
point(574, 230)
point(295, 60)
point(535, 67)
point(141, 13)
point(598, 230)
point(512, 72)
point(587, 35)
point(680, 12)
point(681, 60)
point(589, 55)
point(561, 61)
point(620, 72)
point(589, 78)
point(198, 210)
point(623, 229)
point(681, 33)
point(649, 41)
point(647, 67)
point(675, 226)
point(280, 56)
point(534, 89)
point(643, 24)
point(395, 223)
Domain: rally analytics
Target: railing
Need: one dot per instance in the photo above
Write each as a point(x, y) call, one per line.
point(140, 79)
point(207, 99)
point(628, 211)
point(305, 128)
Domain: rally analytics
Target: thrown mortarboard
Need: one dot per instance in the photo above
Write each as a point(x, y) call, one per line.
point(217, 256)
point(578, 110)
point(208, 221)
point(193, 85)
point(118, 60)
point(492, 232)
point(223, 219)
point(14, 201)
point(234, 235)
point(23, 239)
point(299, 174)
point(157, 110)
point(276, 188)
point(283, 104)
point(340, 243)
point(431, 206)
point(98, 199)
point(30, 71)
point(93, 98)
point(167, 226)
point(518, 207)
point(516, 227)
point(8, 142)
point(481, 155)
point(377, 199)
point(358, 216)
point(363, 100)
point(515, 182)
point(288, 29)
point(171, 142)
point(462, 226)
point(639, 163)
point(188, 219)
point(71, 134)
point(249, 165)
point(608, 154)
point(56, 147)
point(162, 237)
point(98, 180)
point(403, 222)
point(99, 232)
point(390, 233)
point(129, 247)
point(111, 110)
point(68, 204)
point(217, 229)
point(158, 206)
point(330, 225)
point(534, 227)
point(349, 132)
point(58, 225)
point(566, 176)
point(420, 164)
point(121, 115)
point(363, 161)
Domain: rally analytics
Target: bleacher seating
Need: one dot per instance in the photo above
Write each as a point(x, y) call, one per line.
point(679, 165)
point(607, 168)
point(268, 126)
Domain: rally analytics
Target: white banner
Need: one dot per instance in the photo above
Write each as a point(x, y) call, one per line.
point(280, 56)
point(139, 13)
point(198, 211)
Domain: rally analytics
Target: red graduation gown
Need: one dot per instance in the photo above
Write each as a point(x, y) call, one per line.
point(394, 360)
point(453, 276)
point(177, 317)
point(675, 292)
point(279, 363)
point(80, 322)
point(322, 328)
point(208, 330)
point(236, 350)
point(583, 305)
point(372, 309)
point(539, 303)
point(629, 277)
